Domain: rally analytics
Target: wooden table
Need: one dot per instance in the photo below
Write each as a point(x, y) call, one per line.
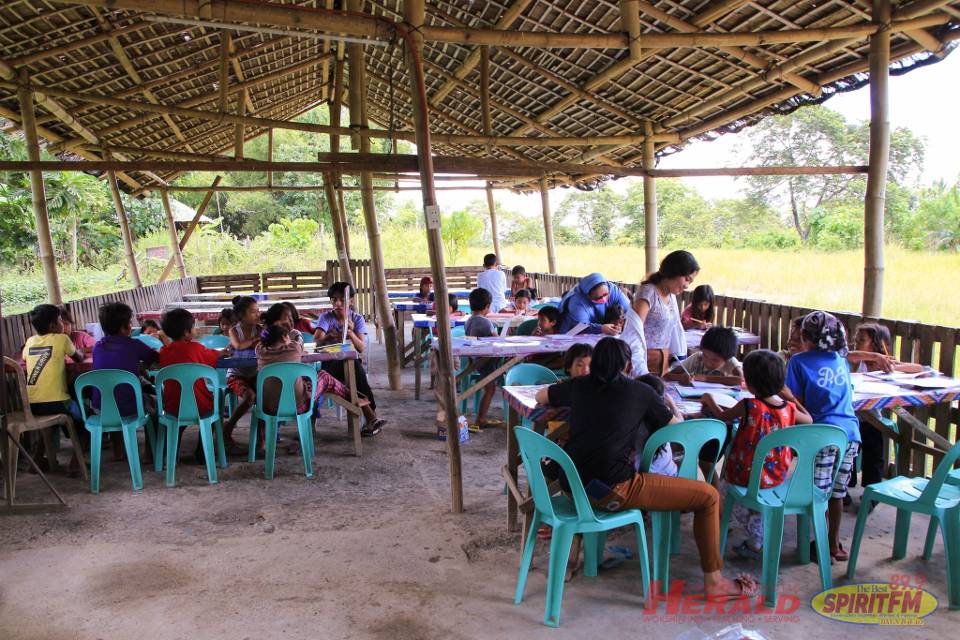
point(413, 293)
point(288, 294)
point(522, 404)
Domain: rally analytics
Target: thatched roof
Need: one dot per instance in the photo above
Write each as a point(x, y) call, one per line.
point(692, 92)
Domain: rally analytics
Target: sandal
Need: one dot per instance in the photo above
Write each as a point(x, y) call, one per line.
point(840, 555)
point(747, 552)
point(372, 428)
point(748, 586)
point(813, 552)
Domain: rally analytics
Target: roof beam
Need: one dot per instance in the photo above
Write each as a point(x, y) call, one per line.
point(76, 44)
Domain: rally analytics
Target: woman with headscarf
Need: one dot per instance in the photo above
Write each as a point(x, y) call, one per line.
point(656, 305)
point(587, 303)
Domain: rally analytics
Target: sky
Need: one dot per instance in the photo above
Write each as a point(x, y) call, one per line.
point(925, 100)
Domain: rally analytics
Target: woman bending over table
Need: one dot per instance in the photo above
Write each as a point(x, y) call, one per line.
point(608, 408)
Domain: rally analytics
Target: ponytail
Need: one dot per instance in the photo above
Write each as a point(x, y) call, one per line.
point(610, 358)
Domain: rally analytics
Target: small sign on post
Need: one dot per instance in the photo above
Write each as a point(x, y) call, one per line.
point(432, 212)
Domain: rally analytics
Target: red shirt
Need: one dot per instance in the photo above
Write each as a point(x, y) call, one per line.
point(760, 420)
point(180, 352)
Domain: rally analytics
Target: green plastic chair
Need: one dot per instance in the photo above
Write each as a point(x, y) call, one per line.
point(567, 517)
point(287, 373)
point(526, 327)
point(215, 341)
point(526, 373)
point(460, 332)
point(796, 496)
point(935, 497)
point(109, 420)
point(150, 341)
point(168, 432)
point(692, 435)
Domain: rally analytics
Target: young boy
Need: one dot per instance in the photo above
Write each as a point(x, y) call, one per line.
point(548, 321)
point(45, 355)
point(178, 326)
point(715, 362)
point(479, 326)
point(494, 281)
point(117, 350)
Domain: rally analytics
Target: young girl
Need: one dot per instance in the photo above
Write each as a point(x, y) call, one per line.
point(763, 414)
point(520, 280)
point(794, 342)
point(226, 321)
point(303, 325)
point(615, 315)
point(576, 361)
point(425, 292)
point(152, 328)
point(818, 378)
point(699, 313)
point(82, 341)
point(521, 304)
point(244, 337)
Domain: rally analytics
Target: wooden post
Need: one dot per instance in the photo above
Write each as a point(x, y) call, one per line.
point(358, 118)
point(44, 239)
point(413, 13)
point(649, 201)
point(630, 19)
point(879, 156)
point(343, 214)
point(238, 127)
point(224, 69)
point(172, 228)
point(548, 224)
point(270, 155)
point(191, 227)
point(491, 205)
point(336, 221)
point(336, 104)
point(125, 232)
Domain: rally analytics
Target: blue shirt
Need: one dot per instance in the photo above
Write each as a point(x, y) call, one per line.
point(126, 353)
point(329, 322)
point(821, 381)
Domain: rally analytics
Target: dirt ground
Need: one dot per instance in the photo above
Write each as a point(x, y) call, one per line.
point(367, 548)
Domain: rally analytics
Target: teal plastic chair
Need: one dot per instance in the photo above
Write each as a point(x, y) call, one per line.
point(215, 341)
point(796, 496)
point(168, 431)
point(307, 337)
point(150, 341)
point(109, 420)
point(460, 332)
point(527, 373)
point(287, 373)
point(526, 327)
point(935, 497)
point(567, 517)
point(692, 435)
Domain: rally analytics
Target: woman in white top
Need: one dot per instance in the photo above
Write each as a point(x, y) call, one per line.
point(656, 304)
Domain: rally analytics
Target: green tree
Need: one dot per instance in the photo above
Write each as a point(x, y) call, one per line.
point(458, 230)
point(597, 215)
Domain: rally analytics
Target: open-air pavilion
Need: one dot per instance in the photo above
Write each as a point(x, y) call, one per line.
point(523, 95)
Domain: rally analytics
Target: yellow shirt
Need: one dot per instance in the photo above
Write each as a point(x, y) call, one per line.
point(46, 369)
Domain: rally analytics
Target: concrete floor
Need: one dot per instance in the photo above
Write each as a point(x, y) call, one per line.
point(365, 549)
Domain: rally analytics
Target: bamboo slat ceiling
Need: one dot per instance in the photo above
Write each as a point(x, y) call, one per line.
point(686, 92)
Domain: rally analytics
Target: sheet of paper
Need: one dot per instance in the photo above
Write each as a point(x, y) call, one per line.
point(874, 388)
point(711, 385)
point(723, 400)
point(933, 383)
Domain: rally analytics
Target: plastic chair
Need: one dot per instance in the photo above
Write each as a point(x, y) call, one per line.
point(150, 341)
point(935, 497)
point(287, 373)
point(526, 327)
point(168, 424)
point(527, 373)
point(109, 420)
point(796, 496)
point(219, 341)
point(567, 517)
point(692, 435)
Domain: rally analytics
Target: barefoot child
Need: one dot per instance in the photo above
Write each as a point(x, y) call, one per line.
point(479, 326)
point(242, 382)
point(763, 414)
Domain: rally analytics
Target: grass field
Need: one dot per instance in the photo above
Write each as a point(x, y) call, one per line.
point(918, 286)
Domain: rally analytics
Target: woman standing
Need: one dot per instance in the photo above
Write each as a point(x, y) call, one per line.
point(656, 304)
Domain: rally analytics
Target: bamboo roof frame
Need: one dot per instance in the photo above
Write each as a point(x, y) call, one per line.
point(563, 84)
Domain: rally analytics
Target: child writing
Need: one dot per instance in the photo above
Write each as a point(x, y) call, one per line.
point(699, 313)
point(330, 327)
point(479, 326)
point(82, 340)
point(425, 292)
point(45, 355)
point(178, 326)
point(766, 412)
point(519, 280)
point(715, 362)
point(242, 381)
point(615, 315)
point(521, 303)
point(818, 378)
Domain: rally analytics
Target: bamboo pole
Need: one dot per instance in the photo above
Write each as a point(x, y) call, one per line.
point(223, 87)
point(358, 96)
point(650, 222)
point(44, 239)
point(172, 229)
point(125, 232)
point(879, 158)
point(336, 221)
point(492, 208)
point(270, 156)
point(336, 106)
point(192, 226)
point(238, 127)
point(548, 224)
point(343, 211)
point(414, 15)
point(485, 116)
point(630, 19)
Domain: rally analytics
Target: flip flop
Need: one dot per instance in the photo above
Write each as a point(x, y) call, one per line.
point(840, 555)
point(748, 587)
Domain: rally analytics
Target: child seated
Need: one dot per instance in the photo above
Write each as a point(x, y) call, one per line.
point(763, 414)
point(152, 328)
point(715, 362)
point(425, 292)
point(699, 313)
point(297, 322)
point(615, 315)
point(548, 321)
point(576, 361)
point(873, 351)
point(454, 304)
point(521, 304)
point(662, 463)
point(117, 350)
point(479, 326)
point(82, 340)
point(178, 326)
point(520, 280)
point(242, 381)
point(225, 322)
point(278, 345)
point(45, 355)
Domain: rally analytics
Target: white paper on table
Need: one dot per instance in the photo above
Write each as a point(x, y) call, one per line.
point(933, 383)
point(711, 385)
point(871, 387)
point(722, 400)
point(526, 394)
